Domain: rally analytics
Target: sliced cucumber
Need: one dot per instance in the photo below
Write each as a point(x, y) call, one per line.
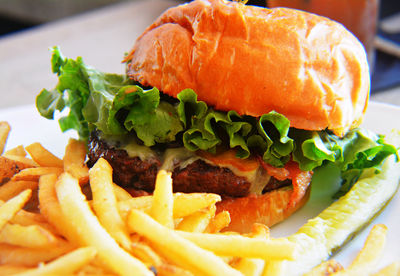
point(338, 223)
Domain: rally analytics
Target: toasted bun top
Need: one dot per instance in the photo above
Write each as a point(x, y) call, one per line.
point(254, 60)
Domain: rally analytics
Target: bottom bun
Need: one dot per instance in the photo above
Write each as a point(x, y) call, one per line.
point(269, 209)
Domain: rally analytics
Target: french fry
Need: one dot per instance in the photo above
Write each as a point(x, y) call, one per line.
point(172, 270)
point(121, 193)
point(372, 248)
point(174, 259)
point(64, 265)
point(25, 162)
point(369, 255)
point(24, 218)
point(325, 268)
point(78, 214)
point(274, 268)
point(21, 161)
point(146, 254)
point(184, 250)
point(198, 221)
point(251, 266)
point(16, 255)
point(51, 210)
point(163, 202)
point(43, 157)
point(4, 131)
point(12, 269)
point(93, 270)
point(184, 204)
point(260, 231)
point(74, 160)
point(240, 246)
point(392, 269)
point(105, 203)
point(141, 203)
point(80, 172)
point(219, 222)
point(17, 151)
point(12, 188)
point(9, 167)
point(33, 174)
point(12, 206)
point(28, 236)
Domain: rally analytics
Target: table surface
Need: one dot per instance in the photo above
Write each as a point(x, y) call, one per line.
point(101, 37)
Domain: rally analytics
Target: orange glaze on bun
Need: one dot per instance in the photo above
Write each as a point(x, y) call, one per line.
point(254, 60)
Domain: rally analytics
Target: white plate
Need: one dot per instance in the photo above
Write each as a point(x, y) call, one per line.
point(28, 126)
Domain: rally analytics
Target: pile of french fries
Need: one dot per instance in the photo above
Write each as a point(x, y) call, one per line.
point(57, 217)
point(366, 260)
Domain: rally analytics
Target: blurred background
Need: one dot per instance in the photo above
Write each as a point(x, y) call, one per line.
point(376, 23)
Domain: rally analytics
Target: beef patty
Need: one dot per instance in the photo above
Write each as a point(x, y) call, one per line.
point(198, 176)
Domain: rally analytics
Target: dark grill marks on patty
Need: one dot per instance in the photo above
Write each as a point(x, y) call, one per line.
point(199, 176)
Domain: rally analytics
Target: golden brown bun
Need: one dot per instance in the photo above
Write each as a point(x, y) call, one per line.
point(269, 209)
point(254, 60)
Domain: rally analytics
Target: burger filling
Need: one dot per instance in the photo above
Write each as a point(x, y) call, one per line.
point(271, 153)
point(135, 166)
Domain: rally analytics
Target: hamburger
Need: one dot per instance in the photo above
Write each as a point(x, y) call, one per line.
point(242, 101)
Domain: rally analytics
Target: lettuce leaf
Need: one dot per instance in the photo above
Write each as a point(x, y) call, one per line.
point(47, 102)
point(111, 103)
point(272, 138)
point(357, 151)
point(117, 105)
point(76, 91)
point(207, 128)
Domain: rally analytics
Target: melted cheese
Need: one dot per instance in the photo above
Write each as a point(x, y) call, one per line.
point(143, 152)
point(130, 146)
point(182, 157)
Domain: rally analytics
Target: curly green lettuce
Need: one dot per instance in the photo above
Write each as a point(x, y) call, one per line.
point(116, 105)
